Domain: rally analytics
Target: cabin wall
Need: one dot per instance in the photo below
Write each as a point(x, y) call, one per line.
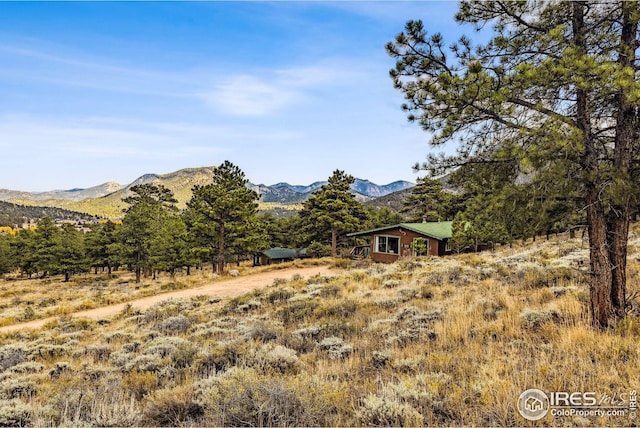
point(406, 245)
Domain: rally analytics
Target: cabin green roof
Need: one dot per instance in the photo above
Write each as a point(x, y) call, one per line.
point(439, 230)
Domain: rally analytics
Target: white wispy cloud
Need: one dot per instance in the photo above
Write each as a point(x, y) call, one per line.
point(311, 75)
point(256, 93)
point(114, 137)
point(247, 95)
point(42, 153)
point(39, 61)
point(440, 12)
point(272, 91)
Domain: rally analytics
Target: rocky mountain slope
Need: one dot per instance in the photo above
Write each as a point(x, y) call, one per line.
point(67, 195)
point(287, 193)
point(106, 199)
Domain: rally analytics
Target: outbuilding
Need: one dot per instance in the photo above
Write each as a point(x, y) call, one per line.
point(404, 240)
point(277, 255)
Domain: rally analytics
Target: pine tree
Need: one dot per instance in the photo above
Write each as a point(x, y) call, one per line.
point(283, 231)
point(333, 209)
point(7, 263)
point(223, 214)
point(47, 241)
point(149, 207)
point(493, 203)
point(23, 249)
point(381, 217)
point(101, 244)
point(427, 201)
point(464, 236)
point(70, 252)
point(169, 250)
point(555, 89)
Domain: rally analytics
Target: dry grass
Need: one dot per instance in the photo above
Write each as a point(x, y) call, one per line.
point(449, 341)
point(24, 299)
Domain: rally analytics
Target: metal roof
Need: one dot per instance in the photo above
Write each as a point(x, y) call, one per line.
point(284, 253)
point(437, 229)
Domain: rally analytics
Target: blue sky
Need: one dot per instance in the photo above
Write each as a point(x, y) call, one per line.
point(288, 91)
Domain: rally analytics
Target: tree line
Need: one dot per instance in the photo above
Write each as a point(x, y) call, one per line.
point(220, 225)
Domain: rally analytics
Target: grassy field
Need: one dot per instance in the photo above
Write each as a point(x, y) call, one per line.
point(429, 341)
point(23, 299)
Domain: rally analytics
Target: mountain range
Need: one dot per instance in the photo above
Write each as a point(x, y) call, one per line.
point(106, 199)
point(286, 193)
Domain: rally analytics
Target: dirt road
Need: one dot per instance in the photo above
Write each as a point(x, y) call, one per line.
point(227, 288)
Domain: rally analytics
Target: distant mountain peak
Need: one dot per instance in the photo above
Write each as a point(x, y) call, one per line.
point(106, 199)
point(283, 192)
point(144, 179)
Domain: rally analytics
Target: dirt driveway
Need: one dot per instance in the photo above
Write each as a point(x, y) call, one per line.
point(227, 288)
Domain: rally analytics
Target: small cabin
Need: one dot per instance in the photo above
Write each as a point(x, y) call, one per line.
point(278, 255)
point(404, 240)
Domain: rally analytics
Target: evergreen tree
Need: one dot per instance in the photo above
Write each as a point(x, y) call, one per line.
point(333, 210)
point(47, 241)
point(23, 249)
point(284, 232)
point(69, 253)
point(169, 250)
point(427, 201)
point(494, 206)
point(249, 239)
point(198, 247)
point(149, 207)
point(100, 246)
point(381, 217)
point(275, 234)
point(555, 89)
point(7, 263)
point(463, 234)
point(223, 215)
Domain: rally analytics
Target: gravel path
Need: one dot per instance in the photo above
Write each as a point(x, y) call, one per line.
point(227, 288)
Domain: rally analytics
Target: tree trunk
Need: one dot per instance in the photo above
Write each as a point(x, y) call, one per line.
point(220, 265)
point(334, 242)
point(601, 275)
point(599, 260)
point(625, 128)
point(138, 267)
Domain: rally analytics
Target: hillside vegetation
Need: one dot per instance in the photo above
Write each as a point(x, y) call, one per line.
point(427, 341)
point(106, 200)
point(13, 215)
point(180, 182)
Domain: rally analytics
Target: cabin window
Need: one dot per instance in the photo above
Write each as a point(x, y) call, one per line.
point(387, 244)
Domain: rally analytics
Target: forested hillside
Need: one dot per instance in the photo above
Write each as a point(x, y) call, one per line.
point(14, 215)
